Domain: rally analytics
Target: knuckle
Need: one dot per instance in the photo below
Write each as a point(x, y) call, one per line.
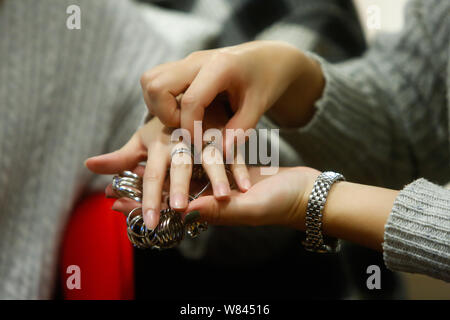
point(152, 176)
point(154, 87)
point(189, 100)
point(194, 55)
point(224, 61)
point(222, 56)
point(183, 163)
point(147, 77)
point(212, 156)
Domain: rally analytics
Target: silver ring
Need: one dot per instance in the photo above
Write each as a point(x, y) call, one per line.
point(181, 150)
point(210, 143)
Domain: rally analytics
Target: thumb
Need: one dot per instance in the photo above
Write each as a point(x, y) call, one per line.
point(126, 158)
point(239, 209)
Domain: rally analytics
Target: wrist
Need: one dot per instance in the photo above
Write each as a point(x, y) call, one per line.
point(295, 107)
point(358, 213)
point(310, 178)
point(315, 239)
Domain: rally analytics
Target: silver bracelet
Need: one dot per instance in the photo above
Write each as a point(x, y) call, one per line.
point(315, 240)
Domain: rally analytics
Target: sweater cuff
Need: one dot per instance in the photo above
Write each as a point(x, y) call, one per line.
point(417, 233)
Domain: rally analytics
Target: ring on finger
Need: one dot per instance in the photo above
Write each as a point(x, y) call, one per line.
point(181, 150)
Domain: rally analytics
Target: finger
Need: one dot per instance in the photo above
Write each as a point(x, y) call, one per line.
point(154, 175)
point(240, 172)
point(180, 177)
point(215, 169)
point(163, 84)
point(125, 158)
point(211, 80)
point(245, 118)
point(109, 192)
point(125, 205)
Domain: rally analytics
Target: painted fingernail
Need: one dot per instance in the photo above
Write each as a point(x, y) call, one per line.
point(113, 207)
point(192, 217)
point(222, 189)
point(246, 184)
point(150, 219)
point(178, 201)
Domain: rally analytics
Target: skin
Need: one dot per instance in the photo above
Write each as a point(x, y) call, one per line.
point(258, 77)
point(353, 212)
point(152, 142)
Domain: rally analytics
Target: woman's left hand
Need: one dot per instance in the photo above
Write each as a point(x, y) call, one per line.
point(280, 199)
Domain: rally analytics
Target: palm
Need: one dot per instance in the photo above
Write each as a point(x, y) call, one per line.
point(275, 199)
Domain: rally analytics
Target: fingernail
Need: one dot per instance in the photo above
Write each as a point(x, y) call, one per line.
point(150, 219)
point(222, 189)
point(192, 216)
point(178, 201)
point(246, 184)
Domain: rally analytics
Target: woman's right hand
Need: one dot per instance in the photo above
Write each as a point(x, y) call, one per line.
point(153, 143)
point(256, 76)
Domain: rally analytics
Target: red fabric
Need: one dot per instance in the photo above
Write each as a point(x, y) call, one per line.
point(96, 241)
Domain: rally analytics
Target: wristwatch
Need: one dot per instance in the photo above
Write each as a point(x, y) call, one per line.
point(315, 241)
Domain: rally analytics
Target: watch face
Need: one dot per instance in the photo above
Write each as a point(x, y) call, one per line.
point(330, 175)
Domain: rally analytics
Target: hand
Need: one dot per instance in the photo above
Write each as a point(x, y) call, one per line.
point(353, 212)
point(153, 143)
point(125, 205)
point(255, 76)
point(280, 199)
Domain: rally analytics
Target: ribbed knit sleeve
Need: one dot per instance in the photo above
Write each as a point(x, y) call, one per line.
point(417, 233)
point(382, 118)
point(65, 94)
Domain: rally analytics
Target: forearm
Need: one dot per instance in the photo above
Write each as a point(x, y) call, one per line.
point(358, 213)
point(410, 226)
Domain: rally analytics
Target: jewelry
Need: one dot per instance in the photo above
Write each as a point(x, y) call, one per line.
point(210, 143)
point(181, 150)
point(315, 241)
point(170, 230)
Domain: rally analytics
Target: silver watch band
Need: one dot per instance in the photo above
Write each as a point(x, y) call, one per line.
point(315, 241)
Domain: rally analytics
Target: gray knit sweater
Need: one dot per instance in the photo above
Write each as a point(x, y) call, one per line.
point(65, 95)
point(384, 119)
point(69, 94)
point(42, 59)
